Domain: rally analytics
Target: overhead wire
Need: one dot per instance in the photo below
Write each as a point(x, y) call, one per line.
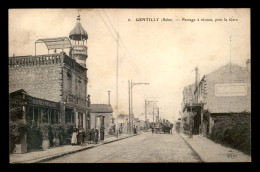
point(132, 62)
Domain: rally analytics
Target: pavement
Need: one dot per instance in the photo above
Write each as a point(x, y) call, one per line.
point(144, 148)
point(55, 152)
point(209, 151)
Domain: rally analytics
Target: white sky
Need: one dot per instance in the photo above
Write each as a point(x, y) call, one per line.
point(164, 52)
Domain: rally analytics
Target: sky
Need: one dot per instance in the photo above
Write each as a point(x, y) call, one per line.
point(161, 53)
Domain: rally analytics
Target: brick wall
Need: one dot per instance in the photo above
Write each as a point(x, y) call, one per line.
point(40, 77)
point(218, 104)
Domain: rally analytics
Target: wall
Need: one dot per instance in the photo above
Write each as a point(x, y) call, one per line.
point(74, 83)
point(40, 76)
point(222, 104)
point(107, 121)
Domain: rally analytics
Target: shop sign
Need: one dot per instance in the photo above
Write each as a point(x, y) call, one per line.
point(234, 89)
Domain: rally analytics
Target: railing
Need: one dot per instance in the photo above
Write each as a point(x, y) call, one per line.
point(73, 99)
point(79, 49)
point(24, 61)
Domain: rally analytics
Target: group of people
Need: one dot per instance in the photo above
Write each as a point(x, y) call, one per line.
point(91, 136)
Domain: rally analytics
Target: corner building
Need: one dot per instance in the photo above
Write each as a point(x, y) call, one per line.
point(54, 78)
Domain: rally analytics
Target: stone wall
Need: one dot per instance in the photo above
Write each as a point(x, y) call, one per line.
point(39, 76)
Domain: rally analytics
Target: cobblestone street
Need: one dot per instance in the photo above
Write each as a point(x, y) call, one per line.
point(145, 147)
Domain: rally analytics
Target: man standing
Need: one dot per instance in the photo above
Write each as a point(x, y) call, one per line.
point(102, 133)
point(171, 125)
point(191, 122)
point(96, 135)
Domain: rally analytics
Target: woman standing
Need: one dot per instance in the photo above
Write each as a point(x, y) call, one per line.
point(81, 136)
point(74, 139)
point(92, 135)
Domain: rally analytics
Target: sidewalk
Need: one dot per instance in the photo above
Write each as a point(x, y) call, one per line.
point(209, 151)
point(55, 152)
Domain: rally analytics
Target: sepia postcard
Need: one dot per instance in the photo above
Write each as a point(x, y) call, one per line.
point(129, 85)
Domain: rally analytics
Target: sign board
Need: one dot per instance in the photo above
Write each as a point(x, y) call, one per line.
point(40, 102)
point(234, 89)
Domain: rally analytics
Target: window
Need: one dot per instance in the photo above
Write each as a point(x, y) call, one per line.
point(44, 116)
point(69, 116)
point(52, 117)
point(80, 122)
point(35, 114)
point(69, 79)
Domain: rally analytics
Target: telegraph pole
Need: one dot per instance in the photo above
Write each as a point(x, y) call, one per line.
point(158, 116)
point(153, 116)
point(131, 99)
point(145, 115)
point(129, 106)
point(117, 84)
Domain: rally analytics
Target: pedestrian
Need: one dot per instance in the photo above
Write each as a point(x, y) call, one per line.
point(96, 136)
point(81, 136)
point(92, 135)
point(74, 140)
point(152, 130)
point(102, 133)
point(89, 136)
point(171, 125)
point(121, 129)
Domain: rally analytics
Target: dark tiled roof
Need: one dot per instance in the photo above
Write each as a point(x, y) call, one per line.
point(101, 108)
point(78, 32)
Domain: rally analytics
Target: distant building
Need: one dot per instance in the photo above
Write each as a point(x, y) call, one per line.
point(123, 121)
point(223, 91)
point(102, 115)
point(140, 124)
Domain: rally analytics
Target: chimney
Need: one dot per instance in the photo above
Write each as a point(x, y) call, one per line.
point(108, 97)
point(248, 65)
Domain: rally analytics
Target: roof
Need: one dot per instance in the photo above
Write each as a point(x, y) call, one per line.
point(78, 32)
point(56, 43)
point(101, 108)
point(17, 92)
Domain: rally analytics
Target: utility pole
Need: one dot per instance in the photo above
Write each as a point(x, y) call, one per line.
point(131, 100)
point(129, 106)
point(145, 115)
point(117, 84)
point(153, 117)
point(158, 115)
point(108, 97)
point(230, 59)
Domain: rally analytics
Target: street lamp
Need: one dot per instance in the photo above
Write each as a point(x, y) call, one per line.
point(130, 88)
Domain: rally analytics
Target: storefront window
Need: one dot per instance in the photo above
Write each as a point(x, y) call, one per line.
point(44, 116)
point(35, 114)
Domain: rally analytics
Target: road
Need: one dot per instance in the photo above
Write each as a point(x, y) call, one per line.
point(146, 147)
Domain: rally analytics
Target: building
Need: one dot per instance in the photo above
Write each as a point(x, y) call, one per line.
point(54, 86)
point(123, 122)
point(223, 91)
point(140, 124)
point(102, 115)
